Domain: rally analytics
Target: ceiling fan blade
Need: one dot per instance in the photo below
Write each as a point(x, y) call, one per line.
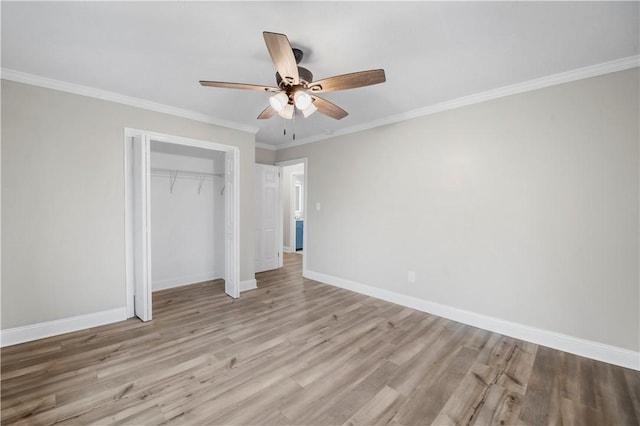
point(329, 109)
point(267, 113)
point(348, 81)
point(241, 86)
point(282, 56)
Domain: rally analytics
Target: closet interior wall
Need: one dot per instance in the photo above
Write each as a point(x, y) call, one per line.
point(187, 215)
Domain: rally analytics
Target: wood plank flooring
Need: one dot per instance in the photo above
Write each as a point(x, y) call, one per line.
point(297, 352)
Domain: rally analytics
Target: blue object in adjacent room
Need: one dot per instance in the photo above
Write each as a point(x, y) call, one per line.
point(299, 230)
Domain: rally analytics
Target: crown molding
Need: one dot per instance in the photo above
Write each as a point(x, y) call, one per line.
point(266, 146)
point(63, 86)
point(513, 89)
point(527, 86)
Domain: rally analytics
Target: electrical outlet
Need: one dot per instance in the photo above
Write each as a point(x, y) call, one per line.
point(411, 276)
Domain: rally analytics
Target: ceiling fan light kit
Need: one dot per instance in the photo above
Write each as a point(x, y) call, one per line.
point(279, 101)
point(302, 100)
point(295, 86)
point(284, 105)
point(287, 112)
point(309, 110)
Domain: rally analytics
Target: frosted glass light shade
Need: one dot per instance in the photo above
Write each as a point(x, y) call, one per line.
point(287, 112)
point(302, 100)
point(309, 110)
point(279, 101)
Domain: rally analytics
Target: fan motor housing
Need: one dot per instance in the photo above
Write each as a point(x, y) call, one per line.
point(306, 77)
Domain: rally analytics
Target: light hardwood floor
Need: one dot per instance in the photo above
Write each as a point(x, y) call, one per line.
point(299, 352)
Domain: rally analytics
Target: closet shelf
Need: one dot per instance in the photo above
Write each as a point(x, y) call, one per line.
point(174, 174)
point(177, 173)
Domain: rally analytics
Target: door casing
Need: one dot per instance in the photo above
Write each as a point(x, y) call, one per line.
point(305, 199)
point(232, 214)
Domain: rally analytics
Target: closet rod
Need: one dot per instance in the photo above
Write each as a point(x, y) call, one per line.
point(183, 173)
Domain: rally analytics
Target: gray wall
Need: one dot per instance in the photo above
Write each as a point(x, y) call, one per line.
point(523, 208)
point(63, 200)
point(265, 156)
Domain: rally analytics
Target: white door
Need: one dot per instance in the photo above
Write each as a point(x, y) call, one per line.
point(141, 226)
point(231, 227)
point(267, 215)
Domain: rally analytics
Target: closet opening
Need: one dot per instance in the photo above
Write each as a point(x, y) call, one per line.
point(187, 215)
point(181, 216)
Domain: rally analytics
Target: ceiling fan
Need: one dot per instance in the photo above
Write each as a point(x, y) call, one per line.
point(296, 89)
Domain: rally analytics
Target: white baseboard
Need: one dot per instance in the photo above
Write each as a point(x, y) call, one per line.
point(287, 249)
point(185, 280)
point(575, 345)
point(248, 285)
point(27, 333)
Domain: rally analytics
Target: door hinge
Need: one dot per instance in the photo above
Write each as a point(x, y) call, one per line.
point(278, 254)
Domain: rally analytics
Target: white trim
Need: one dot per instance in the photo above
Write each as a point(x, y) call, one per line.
point(280, 218)
point(63, 86)
point(186, 280)
point(305, 161)
point(266, 146)
point(535, 84)
point(128, 225)
point(293, 222)
point(287, 249)
point(179, 140)
point(575, 345)
point(248, 285)
point(513, 89)
point(28, 333)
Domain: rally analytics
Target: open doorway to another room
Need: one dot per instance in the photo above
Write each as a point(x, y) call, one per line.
point(294, 195)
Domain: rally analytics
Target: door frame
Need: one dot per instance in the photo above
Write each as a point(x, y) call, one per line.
point(305, 199)
point(292, 211)
point(232, 250)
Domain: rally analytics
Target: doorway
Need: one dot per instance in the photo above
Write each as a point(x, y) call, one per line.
point(295, 218)
point(138, 248)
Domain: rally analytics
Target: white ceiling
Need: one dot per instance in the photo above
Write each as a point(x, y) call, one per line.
point(432, 52)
